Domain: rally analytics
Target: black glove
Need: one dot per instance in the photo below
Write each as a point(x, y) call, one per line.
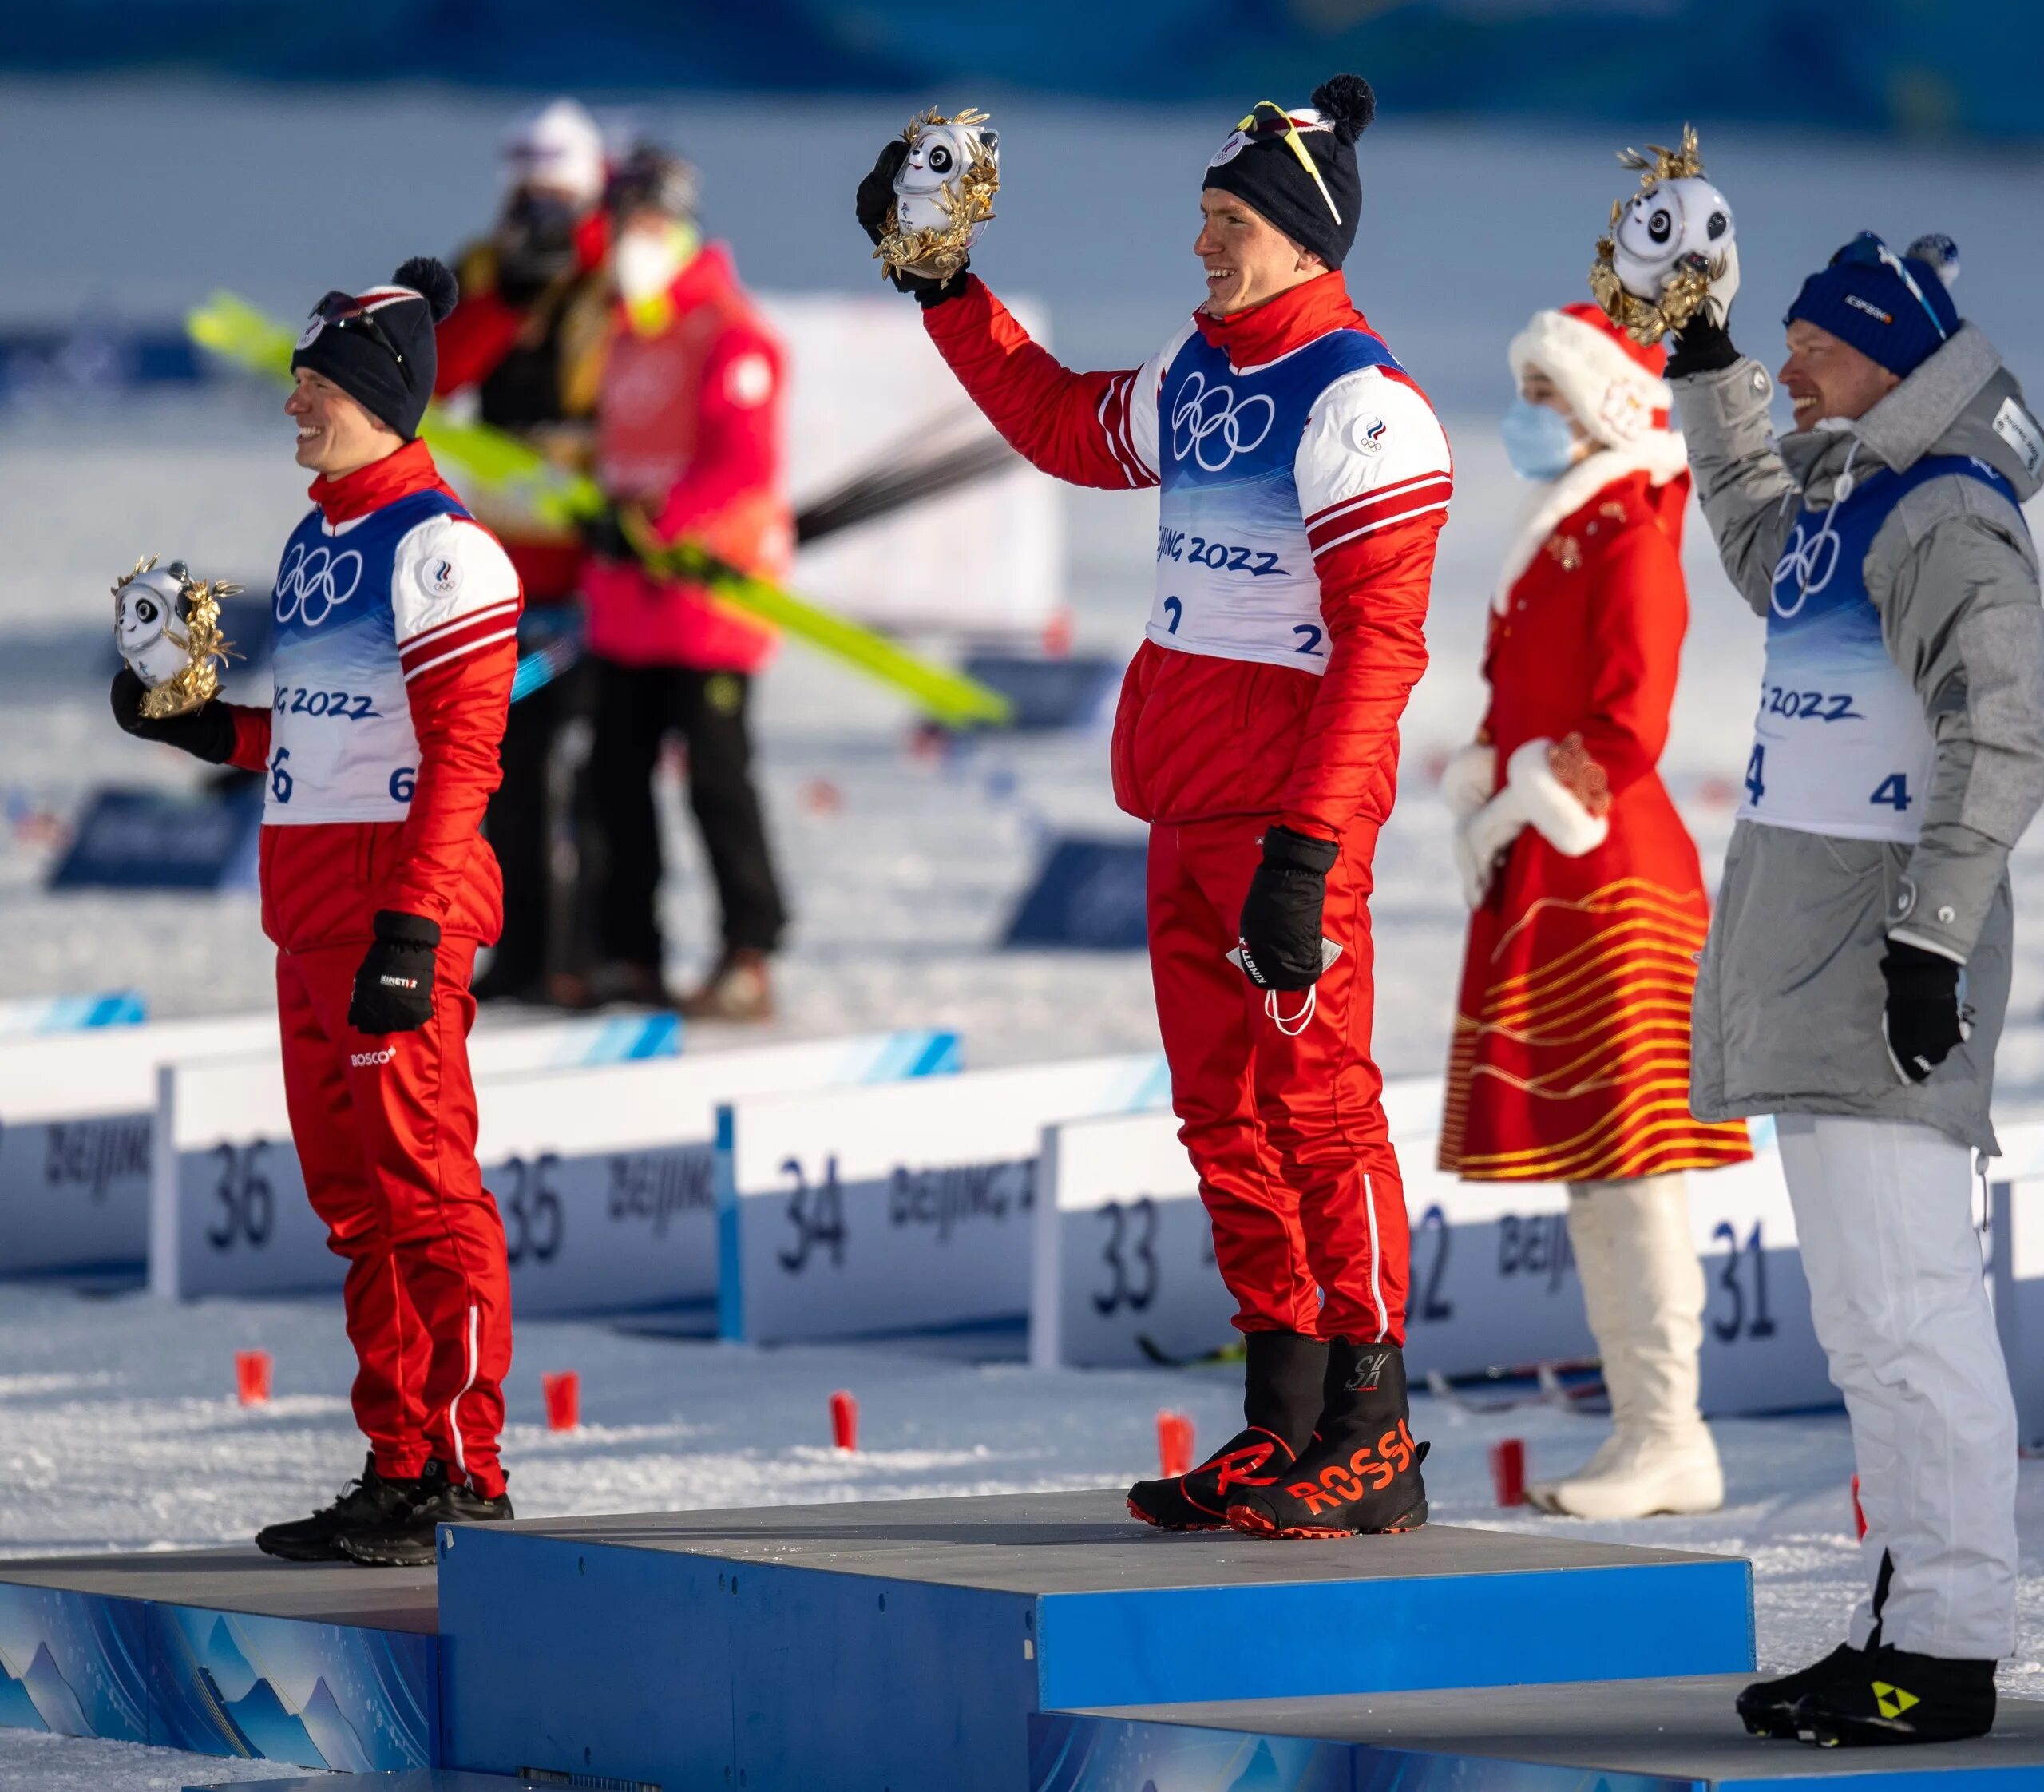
point(1281, 919)
point(394, 989)
point(1702, 346)
point(206, 732)
point(876, 196)
point(603, 536)
point(1922, 1020)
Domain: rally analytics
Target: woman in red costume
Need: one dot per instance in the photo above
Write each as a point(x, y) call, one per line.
point(1571, 1060)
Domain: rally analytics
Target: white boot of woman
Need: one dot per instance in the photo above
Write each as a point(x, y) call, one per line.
point(1642, 1289)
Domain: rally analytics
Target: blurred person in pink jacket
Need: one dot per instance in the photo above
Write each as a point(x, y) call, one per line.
point(689, 443)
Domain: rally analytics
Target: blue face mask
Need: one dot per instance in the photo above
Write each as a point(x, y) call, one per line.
point(1538, 442)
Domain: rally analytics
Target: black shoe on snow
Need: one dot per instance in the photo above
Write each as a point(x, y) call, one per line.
point(1767, 1707)
point(1897, 1697)
point(368, 1504)
point(411, 1539)
point(1360, 1477)
point(1284, 1371)
point(1199, 1500)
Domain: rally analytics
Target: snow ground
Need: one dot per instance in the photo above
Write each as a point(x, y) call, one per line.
point(117, 1425)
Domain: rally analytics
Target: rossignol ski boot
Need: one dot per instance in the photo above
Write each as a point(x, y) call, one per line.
point(1280, 1401)
point(1361, 1474)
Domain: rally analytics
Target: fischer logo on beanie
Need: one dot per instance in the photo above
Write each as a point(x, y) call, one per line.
point(1895, 309)
point(378, 346)
point(1297, 169)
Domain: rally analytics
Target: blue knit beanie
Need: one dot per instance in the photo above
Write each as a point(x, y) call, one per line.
point(1894, 309)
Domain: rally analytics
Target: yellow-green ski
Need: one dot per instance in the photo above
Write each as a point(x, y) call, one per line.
point(518, 475)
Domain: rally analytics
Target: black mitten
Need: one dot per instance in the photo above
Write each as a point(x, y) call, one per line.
point(206, 732)
point(876, 198)
point(1281, 919)
point(1702, 346)
point(1922, 1020)
point(394, 989)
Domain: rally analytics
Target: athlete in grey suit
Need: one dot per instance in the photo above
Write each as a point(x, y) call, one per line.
point(1857, 971)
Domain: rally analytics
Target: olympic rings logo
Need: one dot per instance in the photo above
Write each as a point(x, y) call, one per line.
point(1199, 417)
point(1810, 561)
point(319, 577)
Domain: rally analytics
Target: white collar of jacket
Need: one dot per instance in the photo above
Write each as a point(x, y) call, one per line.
point(1660, 454)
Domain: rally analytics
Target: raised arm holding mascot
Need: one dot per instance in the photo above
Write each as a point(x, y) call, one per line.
point(1857, 969)
point(1304, 480)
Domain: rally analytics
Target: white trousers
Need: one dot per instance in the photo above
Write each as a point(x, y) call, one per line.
point(1884, 1220)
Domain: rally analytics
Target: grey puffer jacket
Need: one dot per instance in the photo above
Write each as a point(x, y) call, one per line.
point(1789, 996)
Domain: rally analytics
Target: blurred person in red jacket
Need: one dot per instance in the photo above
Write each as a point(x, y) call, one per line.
point(1303, 478)
point(394, 628)
point(527, 339)
point(688, 447)
point(1571, 1059)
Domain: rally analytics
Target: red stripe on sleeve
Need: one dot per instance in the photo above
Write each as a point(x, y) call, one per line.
point(500, 626)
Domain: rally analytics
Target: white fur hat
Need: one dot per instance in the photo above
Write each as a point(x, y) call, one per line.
point(1611, 383)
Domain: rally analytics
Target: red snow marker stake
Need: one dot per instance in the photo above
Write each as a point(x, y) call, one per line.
point(563, 1393)
point(844, 1421)
point(1508, 1470)
point(1174, 1444)
point(251, 1376)
point(1859, 1517)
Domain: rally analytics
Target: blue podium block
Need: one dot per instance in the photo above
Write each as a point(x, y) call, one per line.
point(227, 1652)
point(1678, 1735)
point(903, 1644)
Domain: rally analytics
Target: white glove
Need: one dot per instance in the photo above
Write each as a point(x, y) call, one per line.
point(1482, 840)
point(1723, 286)
point(1723, 289)
point(1469, 778)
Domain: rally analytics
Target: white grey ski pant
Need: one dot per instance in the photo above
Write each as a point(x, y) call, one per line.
point(1884, 1219)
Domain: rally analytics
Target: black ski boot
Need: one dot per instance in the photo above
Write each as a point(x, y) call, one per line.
point(1898, 1697)
point(364, 1504)
point(1280, 1402)
point(1767, 1707)
point(410, 1540)
point(1361, 1474)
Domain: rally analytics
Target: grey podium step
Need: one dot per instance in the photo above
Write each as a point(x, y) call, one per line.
point(1625, 1734)
point(243, 1579)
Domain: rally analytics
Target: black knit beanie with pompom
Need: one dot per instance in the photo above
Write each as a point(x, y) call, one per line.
point(1261, 167)
point(378, 346)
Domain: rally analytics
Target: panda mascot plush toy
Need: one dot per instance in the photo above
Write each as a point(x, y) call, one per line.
point(943, 194)
point(1669, 244)
point(166, 625)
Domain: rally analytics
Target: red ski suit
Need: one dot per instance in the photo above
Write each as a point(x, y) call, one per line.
point(1257, 699)
point(419, 639)
point(689, 428)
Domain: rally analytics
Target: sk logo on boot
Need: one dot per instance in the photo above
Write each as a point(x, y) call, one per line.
point(1891, 1702)
point(1368, 1374)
